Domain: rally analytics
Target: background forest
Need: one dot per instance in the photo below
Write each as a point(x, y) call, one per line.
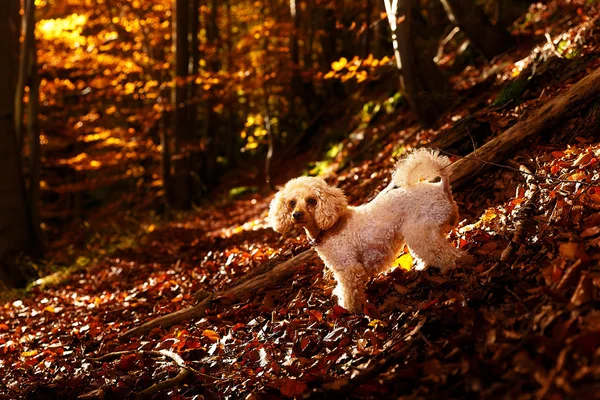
point(141, 143)
point(139, 102)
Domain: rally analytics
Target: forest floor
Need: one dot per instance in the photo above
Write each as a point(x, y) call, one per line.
point(528, 327)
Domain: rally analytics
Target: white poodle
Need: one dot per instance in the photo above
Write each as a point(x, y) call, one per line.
point(355, 243)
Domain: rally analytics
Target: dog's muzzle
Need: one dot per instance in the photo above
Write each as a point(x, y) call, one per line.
point(297, 215)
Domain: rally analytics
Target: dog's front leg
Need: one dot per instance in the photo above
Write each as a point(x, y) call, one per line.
point(350, 289)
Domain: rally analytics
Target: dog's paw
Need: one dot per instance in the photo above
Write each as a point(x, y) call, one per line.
point(353, 304)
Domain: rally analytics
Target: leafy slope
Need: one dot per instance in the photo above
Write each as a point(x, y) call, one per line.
point(529, 328)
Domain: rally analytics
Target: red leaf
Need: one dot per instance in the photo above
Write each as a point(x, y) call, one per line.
point(371, 311)
point(127, 362)
point(316, 315)
point(339, 311)
point(292, 387)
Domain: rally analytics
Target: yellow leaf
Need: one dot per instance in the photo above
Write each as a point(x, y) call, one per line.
point(212, 335)
point(578, 176)
point(329, 75)
point(338, 65)
point(49, 309)
point(404, 262)
point(29, 353)
point(568, 250)
point(361, 76)
point(348, 76)
point(489, 215)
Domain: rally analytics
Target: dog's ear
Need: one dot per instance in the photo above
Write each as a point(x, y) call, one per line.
point(332, 203)
point(280, 218)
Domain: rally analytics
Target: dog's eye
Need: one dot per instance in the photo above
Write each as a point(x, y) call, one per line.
point(311, 201)
point(293, 203)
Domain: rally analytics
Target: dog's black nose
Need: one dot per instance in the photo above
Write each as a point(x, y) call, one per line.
point(297, 215)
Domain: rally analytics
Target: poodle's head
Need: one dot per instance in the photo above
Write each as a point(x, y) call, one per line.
point(307, 202)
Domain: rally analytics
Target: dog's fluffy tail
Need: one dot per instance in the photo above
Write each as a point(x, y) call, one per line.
point(419, 165)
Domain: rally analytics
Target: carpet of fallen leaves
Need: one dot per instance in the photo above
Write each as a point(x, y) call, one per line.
point(528, 327)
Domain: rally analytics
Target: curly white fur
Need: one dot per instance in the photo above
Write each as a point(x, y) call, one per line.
point(357, 242)
point(421, 164)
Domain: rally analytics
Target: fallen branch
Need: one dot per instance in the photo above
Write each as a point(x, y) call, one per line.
point(153, 353)
point(523, 215)
point(184, 372)
point(168, 383)
point(523, 218)
point(540, 120)
point(277, 274)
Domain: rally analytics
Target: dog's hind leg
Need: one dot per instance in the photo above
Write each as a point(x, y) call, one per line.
point(429, 245)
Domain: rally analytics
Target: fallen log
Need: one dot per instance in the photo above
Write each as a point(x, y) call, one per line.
point(544, 118)
point(278, 273)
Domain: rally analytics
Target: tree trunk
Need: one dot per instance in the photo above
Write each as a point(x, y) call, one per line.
point(231, 151)
point(181, 179)
point(165, 161)
point(329, 39)
point(367, 32)
point(212, 140)
point(14, 226)
point(471, 19)
point(427, 105)
point(193, 66)
point(27, 44)
point(295, 52)
point(310, 34)
point(33, 131)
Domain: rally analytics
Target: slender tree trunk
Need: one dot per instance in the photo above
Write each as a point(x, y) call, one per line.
point(194, 65)
point(27, 44)
point(14, 226)
point(230, 145)
point(295, 51)
point(367, 33)
point(267, 112)
point(212, 139)
point(165, 161)
point(181, 178)
point(329, 39)
point(424, 104)
point(33, 130)
point(471, 19)
point(380, 33)
point(307, 54)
